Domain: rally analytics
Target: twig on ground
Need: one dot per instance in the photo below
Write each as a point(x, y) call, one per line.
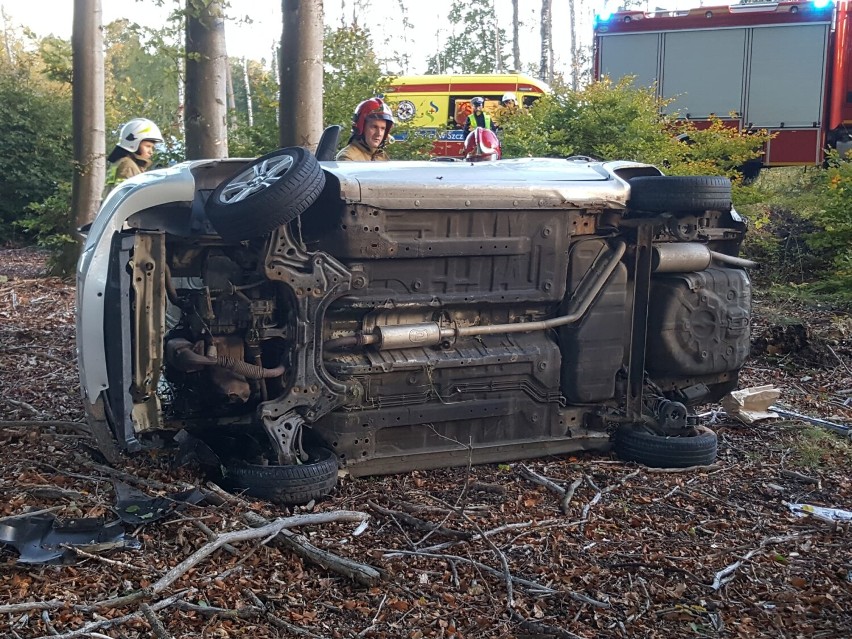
point(569, 494)
point(45, 619)
point(419, 508)
point(621, 482)
point(293, 628)
point(211, 535)
point(156, 625)
point(805, 479)
point(688, 469)
point(542, 629)
point(110, 562)
point(21, 404)
point(585, 514)
point(531, 586)
point(88, 630)
point(507, 575)
point(372, 625)
point(419, 524)
point(726, 575)
point(248, 612)
point(47, 423)
point(842, 363)
point(551, 485)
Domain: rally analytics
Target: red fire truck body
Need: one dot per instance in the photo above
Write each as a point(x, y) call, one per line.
point(781, 66)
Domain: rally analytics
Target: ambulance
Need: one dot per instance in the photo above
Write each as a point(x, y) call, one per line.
point(438, 105)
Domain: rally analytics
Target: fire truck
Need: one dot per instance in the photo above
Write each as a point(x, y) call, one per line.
point(781, 66)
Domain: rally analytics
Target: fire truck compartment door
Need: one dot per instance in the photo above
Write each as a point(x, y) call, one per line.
point(787, 79)
point(703, 72)
point(634, 54)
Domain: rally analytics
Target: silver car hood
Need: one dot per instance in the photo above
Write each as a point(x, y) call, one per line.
point(536, 182)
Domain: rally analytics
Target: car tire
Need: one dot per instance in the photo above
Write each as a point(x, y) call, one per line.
point(683, 194)
point(285, 485)
point(273, 190)
point(633, 442)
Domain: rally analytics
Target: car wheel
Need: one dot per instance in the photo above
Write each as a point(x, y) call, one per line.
point(273, 190)
point(633, 442)
point(692, 194)
point(291, 484)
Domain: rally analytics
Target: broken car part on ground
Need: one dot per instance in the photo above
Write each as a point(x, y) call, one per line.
point(300, 316)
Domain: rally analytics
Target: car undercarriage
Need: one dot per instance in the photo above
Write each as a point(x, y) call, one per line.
point(292, 318)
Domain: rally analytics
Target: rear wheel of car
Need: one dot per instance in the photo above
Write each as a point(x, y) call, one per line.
point(273, 190)
point(291, 484)
point(686, 194)
point(633, 442)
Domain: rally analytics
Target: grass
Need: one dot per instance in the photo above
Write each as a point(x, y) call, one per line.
point(816, 447)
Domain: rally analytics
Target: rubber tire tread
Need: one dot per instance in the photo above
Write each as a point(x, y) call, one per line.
point(634, 443)
point(280, 203)
point(686, 194)
point(291, 484)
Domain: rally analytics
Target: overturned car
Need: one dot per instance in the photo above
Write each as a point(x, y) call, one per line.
point(296, 317)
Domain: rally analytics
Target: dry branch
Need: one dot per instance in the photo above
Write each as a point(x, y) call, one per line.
point(53, 604)
point(236, 536)
point(419, 524)
point(361, 573)
point(726, 575)
point(156, 625)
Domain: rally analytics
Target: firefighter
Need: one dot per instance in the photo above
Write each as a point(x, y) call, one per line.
point(371, 125)
point(479, 118)
point(509, 101)
point(133, 153)
point(482, 145)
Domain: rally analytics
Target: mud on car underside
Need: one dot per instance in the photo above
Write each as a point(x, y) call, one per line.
point(289, 318)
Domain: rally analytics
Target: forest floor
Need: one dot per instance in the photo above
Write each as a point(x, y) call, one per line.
point(464, 552)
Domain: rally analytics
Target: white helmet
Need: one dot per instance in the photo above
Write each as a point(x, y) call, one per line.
point(135, 131)
point(507, 97)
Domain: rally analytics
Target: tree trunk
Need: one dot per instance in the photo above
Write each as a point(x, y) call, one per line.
point(229, 92)
point(6, 35)
point(247, 81)
point(575, 50)
point(545, 69)
point(498, 59)
point(300, 117)
point(205, 114)
point(516, 42)
point(87, 111)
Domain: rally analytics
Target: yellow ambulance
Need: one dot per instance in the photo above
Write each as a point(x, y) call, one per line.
point(438, 105)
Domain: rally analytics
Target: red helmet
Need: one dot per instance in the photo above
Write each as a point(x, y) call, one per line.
point(372, 109)
point(481, 145)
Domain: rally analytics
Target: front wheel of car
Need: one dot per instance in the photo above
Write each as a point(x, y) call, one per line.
point(273, 190)
point(683, 194)
point(634, 442)
point(285, 484)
